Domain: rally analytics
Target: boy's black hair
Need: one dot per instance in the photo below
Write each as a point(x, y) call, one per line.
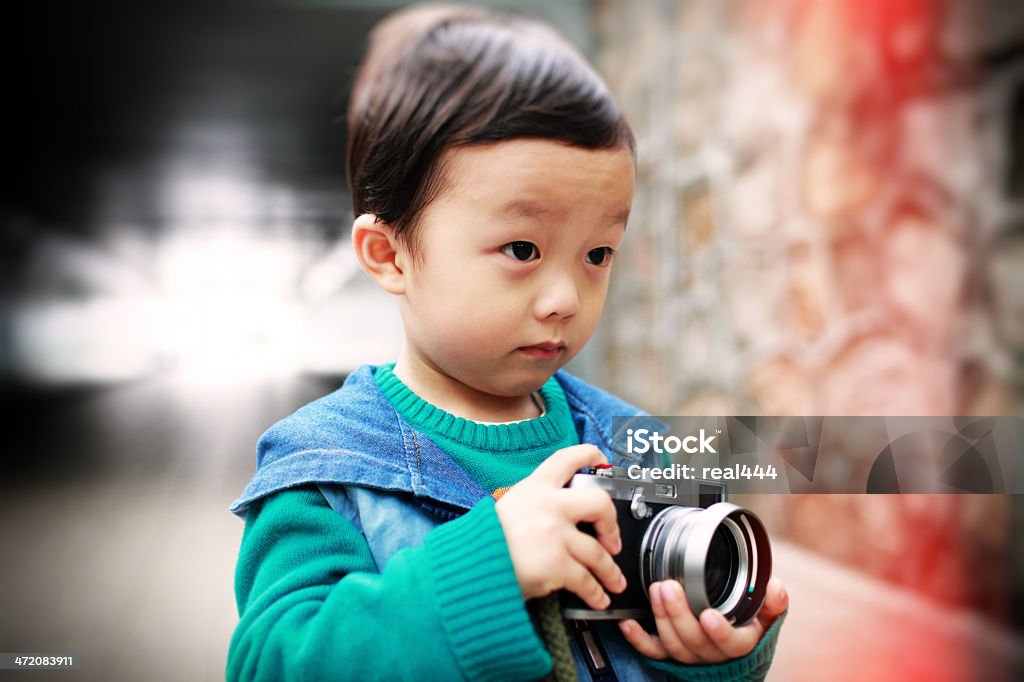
point(438, 77)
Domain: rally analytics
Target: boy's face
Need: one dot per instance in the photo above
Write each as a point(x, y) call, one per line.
point(513, 263)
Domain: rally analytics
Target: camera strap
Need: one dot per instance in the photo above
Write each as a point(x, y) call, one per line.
point(594, 653)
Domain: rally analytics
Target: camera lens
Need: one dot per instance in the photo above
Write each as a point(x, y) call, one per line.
point(721, 567)
point(721, 555)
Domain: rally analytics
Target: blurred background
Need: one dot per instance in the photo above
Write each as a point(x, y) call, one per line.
point(829, 220)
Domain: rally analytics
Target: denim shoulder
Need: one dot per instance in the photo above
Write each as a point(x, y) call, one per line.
point(355, 417)
point(601, 418)
point(352, 435)
point(587, 397)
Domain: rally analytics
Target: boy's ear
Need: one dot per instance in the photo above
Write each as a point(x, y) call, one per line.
point(379, 252)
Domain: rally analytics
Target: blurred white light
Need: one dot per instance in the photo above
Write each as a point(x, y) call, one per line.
point(229, 306)
point(98, 340)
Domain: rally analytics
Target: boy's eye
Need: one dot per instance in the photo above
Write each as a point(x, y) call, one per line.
point(600, 255)
point(521, 251)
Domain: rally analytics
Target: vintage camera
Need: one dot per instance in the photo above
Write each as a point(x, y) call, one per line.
point(679, 529)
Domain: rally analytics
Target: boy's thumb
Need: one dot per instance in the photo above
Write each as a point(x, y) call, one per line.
point(778, 598)
point(776, 602)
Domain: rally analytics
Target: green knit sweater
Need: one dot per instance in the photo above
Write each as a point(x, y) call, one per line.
point(495, 455)
point(313, 606)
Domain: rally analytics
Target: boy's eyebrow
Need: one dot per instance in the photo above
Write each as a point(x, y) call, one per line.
point(526, 209)
point(529, 209)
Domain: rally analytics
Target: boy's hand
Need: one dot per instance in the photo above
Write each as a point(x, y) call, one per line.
point(709, 639)
point(549, 552)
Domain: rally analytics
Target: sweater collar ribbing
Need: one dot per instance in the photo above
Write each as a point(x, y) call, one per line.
point(521, 435)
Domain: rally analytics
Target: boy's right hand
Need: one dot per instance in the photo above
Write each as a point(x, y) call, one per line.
point(549, 552)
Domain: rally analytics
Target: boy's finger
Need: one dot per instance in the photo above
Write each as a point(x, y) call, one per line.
point(560, 466)
point(733, 642)
point(644, 642)
point(598, 561)
point(667, 634)
point(679, 617)
point(584, 585)
point(596, 507)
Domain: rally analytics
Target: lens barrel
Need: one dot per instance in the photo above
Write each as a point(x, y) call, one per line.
point(721, 555)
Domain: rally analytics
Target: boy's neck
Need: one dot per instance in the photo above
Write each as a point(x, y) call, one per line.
point(453, 396)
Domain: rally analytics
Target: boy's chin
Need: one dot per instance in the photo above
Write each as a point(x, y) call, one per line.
point(516, 385)
point(508, 377)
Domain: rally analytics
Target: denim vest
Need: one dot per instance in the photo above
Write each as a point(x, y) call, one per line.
point(395, 484)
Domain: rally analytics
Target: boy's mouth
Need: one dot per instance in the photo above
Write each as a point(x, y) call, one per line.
point(543, 351)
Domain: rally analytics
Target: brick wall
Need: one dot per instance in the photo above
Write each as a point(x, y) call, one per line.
point(829, 220)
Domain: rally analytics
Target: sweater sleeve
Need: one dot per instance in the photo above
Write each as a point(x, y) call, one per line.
point(313, 606)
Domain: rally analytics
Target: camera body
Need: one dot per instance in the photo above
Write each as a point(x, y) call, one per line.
point(679, 529)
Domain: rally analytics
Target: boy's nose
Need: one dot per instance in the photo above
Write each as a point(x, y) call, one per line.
point(559, 298)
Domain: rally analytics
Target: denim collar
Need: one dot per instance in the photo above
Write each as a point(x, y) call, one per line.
point(354, 436)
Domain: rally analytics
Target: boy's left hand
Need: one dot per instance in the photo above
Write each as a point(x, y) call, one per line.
point(708, 639)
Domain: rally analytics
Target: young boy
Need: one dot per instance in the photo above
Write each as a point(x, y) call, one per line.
point(399, 527)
